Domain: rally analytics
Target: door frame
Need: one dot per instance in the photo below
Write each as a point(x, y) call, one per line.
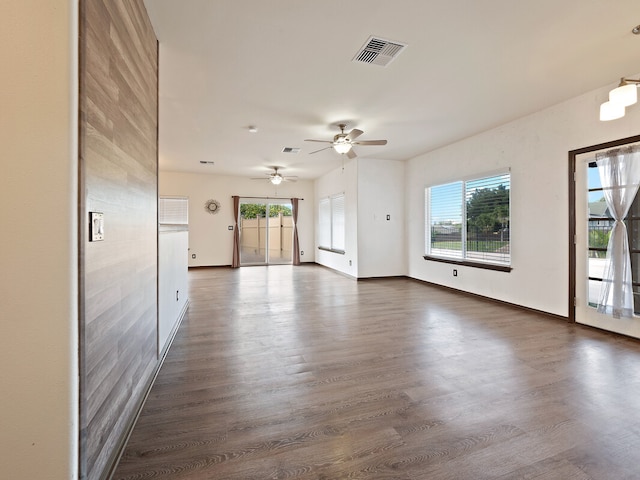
point(572, 213)
point(267, 202)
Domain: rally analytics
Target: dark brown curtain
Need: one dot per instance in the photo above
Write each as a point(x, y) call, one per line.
point(296, 245)
point(235, 263)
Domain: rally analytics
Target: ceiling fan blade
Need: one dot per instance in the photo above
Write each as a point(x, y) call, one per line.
point(371, 142)
point(325, 148)
point(290, 179)
point(321, 141)
point(353, 134)
point(351, 154)
point(263, 178)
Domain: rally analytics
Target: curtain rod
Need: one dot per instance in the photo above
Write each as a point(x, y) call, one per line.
point(266, 198)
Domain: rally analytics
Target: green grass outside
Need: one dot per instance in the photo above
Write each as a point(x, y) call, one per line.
point(472, 246)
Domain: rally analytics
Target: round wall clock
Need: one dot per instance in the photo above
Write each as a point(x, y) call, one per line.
point(212, 206)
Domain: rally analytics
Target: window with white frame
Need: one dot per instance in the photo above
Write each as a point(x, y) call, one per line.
point(331, 223)
point(468, 221)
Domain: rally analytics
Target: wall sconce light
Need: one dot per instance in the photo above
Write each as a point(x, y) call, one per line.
point(624, 95)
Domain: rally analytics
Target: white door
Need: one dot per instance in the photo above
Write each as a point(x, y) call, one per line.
point(593, 224)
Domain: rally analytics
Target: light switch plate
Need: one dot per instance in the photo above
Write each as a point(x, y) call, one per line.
point(96, 226)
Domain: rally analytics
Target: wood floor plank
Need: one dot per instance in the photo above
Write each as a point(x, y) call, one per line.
point(301, 373)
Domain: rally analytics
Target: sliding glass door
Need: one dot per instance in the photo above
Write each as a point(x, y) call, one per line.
point(266, 232)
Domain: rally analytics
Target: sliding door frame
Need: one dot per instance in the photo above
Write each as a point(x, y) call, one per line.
point(267, 202)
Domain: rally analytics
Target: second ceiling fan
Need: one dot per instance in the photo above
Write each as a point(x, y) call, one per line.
point(343, 142)
point(276, 177)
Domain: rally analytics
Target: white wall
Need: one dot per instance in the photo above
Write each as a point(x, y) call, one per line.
point(535, 148)
point(381, 242)
point(209, 237)
point(341, 180)
point(38, 258)
point(173, 281)
point(373, 189)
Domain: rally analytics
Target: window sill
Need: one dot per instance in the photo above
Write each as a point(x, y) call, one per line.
point(339, 252)
point(466, 263)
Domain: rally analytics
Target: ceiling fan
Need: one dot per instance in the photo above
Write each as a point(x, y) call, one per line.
point(343, 142)
point(277, 178)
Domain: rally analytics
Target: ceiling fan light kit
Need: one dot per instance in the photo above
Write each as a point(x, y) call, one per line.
point(342, 147)
point(343, 142)
point(276, 178)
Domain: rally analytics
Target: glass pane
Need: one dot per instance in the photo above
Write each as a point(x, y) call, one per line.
point(253, 233)
point(634, 211)
point(593, 181)
point(445, 220)
point(599, 226)
point(599, 231)
point(487, 203)
point(280, 234)
point(636, 300)
point(266, 233)
point(596, 264)
point(594, 292)
point(635, 275)
point(633, 231)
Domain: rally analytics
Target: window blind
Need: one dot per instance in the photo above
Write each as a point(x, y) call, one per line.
point(324, 223)
point(337, 222)
point(173, 210)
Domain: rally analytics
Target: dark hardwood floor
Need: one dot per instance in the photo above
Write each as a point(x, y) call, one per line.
point(301, 373)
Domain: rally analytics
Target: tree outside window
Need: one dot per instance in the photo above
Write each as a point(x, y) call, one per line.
point(255, 210)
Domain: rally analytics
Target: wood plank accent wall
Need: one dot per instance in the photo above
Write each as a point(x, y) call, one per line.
point(118, 177)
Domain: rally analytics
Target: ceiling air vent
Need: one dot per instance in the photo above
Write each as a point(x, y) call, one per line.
point(378, 51)
point(291, 150)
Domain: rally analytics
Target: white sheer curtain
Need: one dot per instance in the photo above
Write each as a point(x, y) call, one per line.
point(619, 171)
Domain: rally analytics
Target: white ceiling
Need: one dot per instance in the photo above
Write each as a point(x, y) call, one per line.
point(286, 67)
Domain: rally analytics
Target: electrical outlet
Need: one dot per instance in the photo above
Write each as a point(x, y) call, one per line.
point(177, 295)
point(388, 217)
point(455, 272)
point(349, 262)
point(301, 252)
